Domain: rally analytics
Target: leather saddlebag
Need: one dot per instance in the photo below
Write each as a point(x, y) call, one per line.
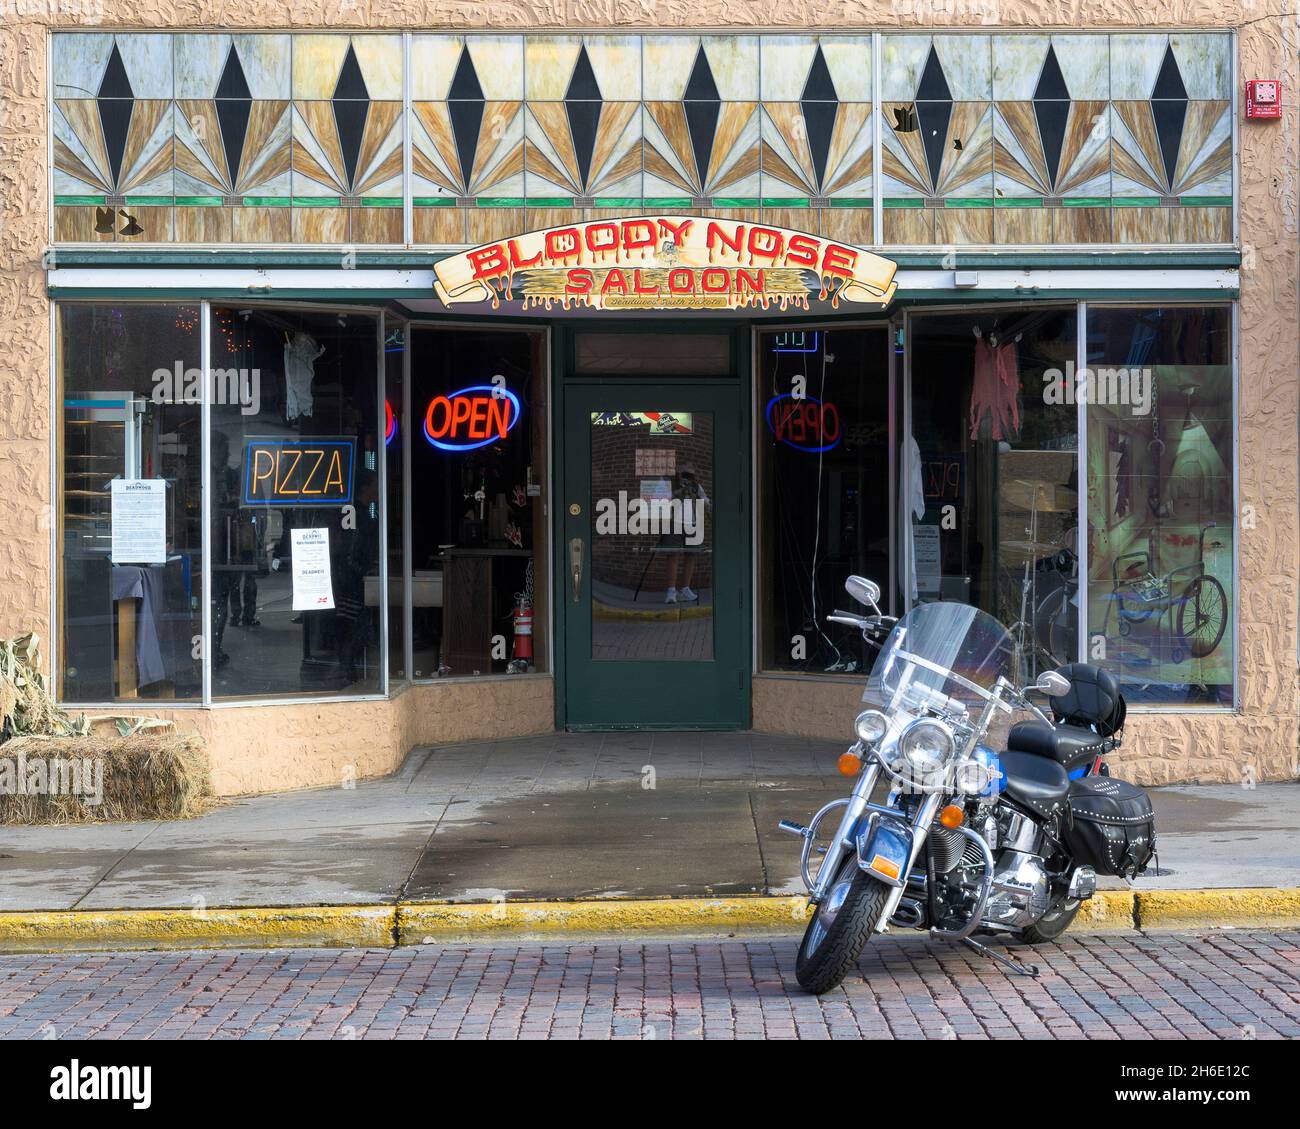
point(1112, 827)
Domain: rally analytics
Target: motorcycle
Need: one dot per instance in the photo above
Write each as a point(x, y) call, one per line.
point(967, 838)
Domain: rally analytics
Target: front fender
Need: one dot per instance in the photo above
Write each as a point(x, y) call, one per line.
point(884, 844)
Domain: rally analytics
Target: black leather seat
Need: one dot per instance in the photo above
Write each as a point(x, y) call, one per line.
point(1035, 782)
point(1071, 746)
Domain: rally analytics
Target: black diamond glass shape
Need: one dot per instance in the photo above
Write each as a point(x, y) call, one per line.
point(582, 104)
point(819, 104)
point(116, 103)
point(933, 114)
point(465, 105)
point(703, 106)
point(1051, 103)
point(1169, 112)
point(234, 104)
point(351, 104)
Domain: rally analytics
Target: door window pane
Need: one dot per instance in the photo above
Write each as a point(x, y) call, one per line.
point(652, 587)
point(130, 621)
point(294, 480)
point(1160, 502)
point(824, 489)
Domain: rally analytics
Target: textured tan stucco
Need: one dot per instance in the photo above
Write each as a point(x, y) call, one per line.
point(295, 745)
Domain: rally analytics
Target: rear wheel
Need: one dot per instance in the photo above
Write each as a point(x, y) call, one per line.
point(840, 929)
point(1053, 923)
point(1203, 615)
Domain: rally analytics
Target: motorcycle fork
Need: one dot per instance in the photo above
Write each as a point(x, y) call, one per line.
point(843, 841)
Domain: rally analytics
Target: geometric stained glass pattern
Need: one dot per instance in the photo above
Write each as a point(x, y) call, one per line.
point(999, 138)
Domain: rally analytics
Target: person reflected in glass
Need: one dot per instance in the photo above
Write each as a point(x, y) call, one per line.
point(687, 534)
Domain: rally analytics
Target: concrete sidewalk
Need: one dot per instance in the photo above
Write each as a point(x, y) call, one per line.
point(562, 816)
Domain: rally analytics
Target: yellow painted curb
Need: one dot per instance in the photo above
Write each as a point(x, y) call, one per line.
point(422, 923)
point(252, 927)
point(1253, 908)
point(1104, 911)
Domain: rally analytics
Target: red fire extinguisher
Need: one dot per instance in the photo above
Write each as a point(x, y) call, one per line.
point(523, 633)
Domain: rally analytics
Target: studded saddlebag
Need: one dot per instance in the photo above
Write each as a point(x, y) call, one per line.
point(1112, 827)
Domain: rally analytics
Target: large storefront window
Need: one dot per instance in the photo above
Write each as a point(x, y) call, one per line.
point(993, 505)
point(1160, 501)
point(130, 511)
point(295, 542)
point(824, 489)
point(478, 462)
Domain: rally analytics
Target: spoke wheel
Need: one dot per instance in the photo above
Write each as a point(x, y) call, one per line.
point(841, 926)
point(1203, 615)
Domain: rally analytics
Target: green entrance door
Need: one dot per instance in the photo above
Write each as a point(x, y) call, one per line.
point(654, 556)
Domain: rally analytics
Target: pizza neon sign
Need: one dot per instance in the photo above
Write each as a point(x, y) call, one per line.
point(804, 423)
point(471, 418)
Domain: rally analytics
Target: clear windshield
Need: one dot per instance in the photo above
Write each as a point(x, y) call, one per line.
point(938, 655)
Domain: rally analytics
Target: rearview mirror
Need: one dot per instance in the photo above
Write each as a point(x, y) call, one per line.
point(863, 590)
point(1053, 684)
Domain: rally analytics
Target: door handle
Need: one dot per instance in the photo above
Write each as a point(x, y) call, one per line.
point(575, 567)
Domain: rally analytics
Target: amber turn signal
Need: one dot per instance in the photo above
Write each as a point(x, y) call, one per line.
point(850, 764)
point(952, 817)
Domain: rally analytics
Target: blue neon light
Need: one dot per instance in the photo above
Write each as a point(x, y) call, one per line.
point(771, 407)
point(496, 391)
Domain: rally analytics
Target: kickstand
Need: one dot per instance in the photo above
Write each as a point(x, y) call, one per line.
point(1001, 958)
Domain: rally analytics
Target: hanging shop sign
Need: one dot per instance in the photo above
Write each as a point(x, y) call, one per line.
point(297, 472)
point(666, 262)
point(471, 418)
point(804, 422)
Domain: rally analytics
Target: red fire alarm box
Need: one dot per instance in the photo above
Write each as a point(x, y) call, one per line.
point(1263, 98)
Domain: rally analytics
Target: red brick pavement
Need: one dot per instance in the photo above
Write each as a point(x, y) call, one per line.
point(1228, 985)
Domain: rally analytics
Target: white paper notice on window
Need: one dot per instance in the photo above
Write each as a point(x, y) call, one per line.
point(139, 521)
point(313, 590)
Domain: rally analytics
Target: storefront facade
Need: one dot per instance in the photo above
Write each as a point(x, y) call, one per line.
point(403, 382)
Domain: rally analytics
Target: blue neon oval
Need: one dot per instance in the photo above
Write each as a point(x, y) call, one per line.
point(492, 390)
point(771, 406)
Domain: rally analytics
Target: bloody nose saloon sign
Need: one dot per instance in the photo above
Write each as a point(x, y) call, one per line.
point(666, 262)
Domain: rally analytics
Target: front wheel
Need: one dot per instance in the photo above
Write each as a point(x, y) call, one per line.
point(840, 928)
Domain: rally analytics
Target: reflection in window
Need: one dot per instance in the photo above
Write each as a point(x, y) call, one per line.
point(993, 512)
point(824, 489)
point(478, 452)
point(295, 504)
point(1160, 503)
point(130, 609)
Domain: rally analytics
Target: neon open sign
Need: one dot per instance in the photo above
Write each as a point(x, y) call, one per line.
point(471, 418)
point(804, 423)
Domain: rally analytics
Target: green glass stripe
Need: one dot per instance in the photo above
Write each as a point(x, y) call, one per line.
point(666, 202)
point(506, 202)
point(1135, 201)
point(199, 201)
point(1018, 202)
point(316, 201)
point(1086, 202)
point(381, 201)
point(149, 201)
point(433, 201)
point(903, 202)
point(266, 201)
point(1205, 201)
point(617, 202)
point(785, 202)
point(71, 201)
point(736, 202)
point(967, 202)
point(861, 202)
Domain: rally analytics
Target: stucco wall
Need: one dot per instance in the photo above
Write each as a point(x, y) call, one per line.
point(251, 744)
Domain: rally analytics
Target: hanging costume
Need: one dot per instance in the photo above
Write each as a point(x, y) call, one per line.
point(995, 391)
point(300, 353)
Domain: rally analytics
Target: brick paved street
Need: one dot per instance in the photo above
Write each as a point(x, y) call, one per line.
point(1229, 985)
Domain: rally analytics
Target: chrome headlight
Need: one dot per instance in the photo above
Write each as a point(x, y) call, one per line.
point(926, 745)
point(870, 726)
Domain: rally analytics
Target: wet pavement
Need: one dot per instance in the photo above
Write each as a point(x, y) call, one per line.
point(558, 816)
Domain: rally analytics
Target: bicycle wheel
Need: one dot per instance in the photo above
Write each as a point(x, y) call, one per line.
point(1203, 615)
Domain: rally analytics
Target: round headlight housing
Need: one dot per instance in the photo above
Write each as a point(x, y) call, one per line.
point(870, 726)
point(926, 745)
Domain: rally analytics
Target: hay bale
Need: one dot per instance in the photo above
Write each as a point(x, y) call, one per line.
point(140, 777)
